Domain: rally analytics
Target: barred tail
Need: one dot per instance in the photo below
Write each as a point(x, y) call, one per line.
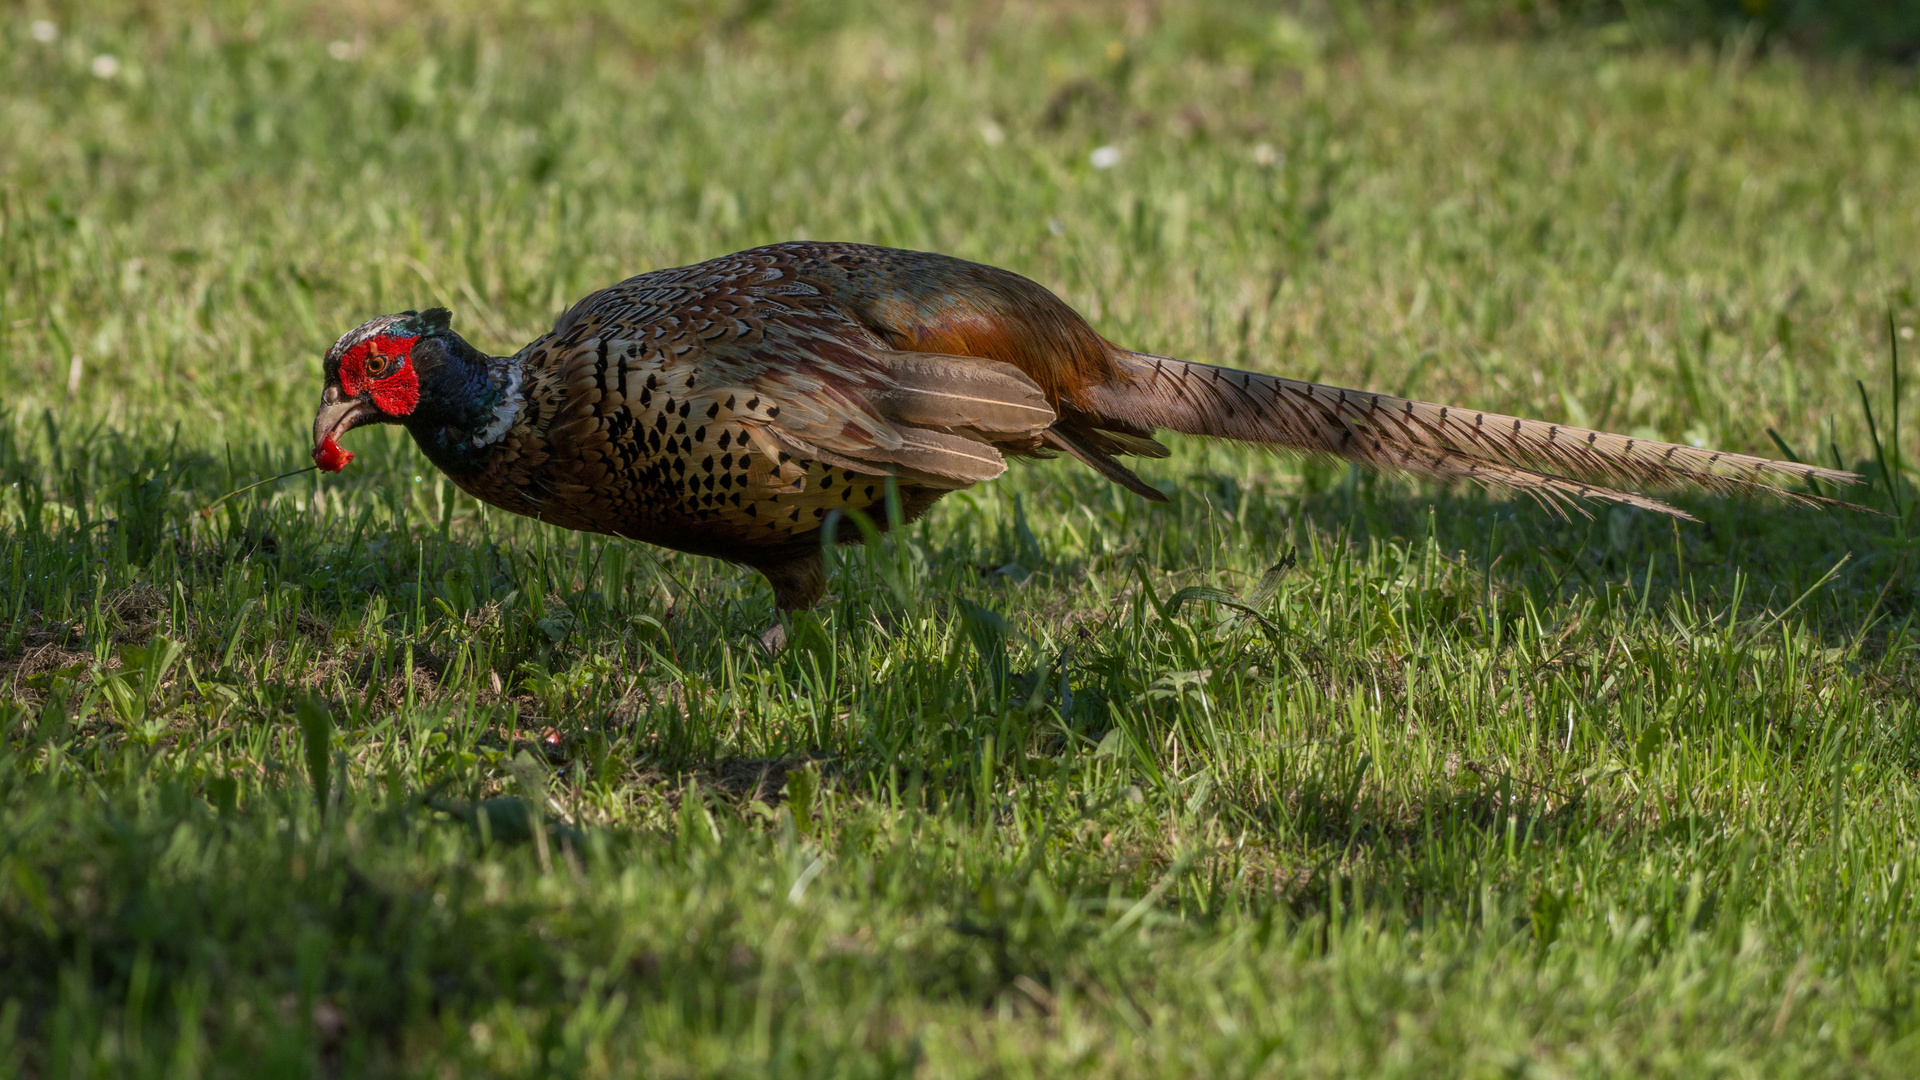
point(1555, 464)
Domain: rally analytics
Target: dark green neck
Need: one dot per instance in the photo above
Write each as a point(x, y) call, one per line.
point(451, 446)
point(461, 417)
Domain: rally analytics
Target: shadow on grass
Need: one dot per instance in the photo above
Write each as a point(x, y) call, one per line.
point(1769, 553)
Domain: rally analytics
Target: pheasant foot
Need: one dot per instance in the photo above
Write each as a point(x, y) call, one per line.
point(773, 640)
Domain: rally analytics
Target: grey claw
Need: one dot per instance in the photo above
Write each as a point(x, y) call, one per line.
point(774, 639)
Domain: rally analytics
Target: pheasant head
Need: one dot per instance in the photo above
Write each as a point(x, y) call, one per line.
point(412, 369)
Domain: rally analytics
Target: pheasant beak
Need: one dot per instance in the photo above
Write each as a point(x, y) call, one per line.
point(339, 415)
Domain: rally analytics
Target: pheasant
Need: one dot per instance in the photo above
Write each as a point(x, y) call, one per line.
point(728, 408)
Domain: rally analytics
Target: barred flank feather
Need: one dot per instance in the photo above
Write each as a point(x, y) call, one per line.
point(1553, 463)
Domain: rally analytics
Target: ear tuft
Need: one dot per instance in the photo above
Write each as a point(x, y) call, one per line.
point(438, 318)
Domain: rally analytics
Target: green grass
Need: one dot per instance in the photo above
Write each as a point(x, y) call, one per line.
point(1479, 792)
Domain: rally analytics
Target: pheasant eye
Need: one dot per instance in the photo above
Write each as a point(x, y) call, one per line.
point(376, 365)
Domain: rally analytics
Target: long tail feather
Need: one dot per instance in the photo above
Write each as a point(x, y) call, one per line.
point(1073, 442)
point(1554, 463)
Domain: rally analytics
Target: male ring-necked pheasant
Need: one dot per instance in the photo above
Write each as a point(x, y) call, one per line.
point(727, 408)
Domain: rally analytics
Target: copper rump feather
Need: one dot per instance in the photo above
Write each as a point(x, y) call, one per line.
point(727, 408)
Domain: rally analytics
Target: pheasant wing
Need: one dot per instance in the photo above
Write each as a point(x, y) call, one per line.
point(700, 391)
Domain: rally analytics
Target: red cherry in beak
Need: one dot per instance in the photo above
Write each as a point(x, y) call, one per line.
point(330, 456)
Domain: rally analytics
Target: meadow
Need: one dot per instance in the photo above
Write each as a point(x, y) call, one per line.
point(1305, 773)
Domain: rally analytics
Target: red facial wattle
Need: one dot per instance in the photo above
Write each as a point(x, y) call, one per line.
point(330, 456)
point(382, 368)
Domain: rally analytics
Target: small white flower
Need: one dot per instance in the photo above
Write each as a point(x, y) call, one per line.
point(44, 31)
point(105, 66)
point(992, 134)
point(1056, 226)
point(341, 50)
point(1266, 156)
point(1106, 157)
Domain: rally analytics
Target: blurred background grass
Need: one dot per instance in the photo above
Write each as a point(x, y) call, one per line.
point(1320, 189)
point(1864, 28)
point(1488, 792)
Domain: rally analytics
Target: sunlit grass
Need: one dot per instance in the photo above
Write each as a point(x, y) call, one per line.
point(1468, 790)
